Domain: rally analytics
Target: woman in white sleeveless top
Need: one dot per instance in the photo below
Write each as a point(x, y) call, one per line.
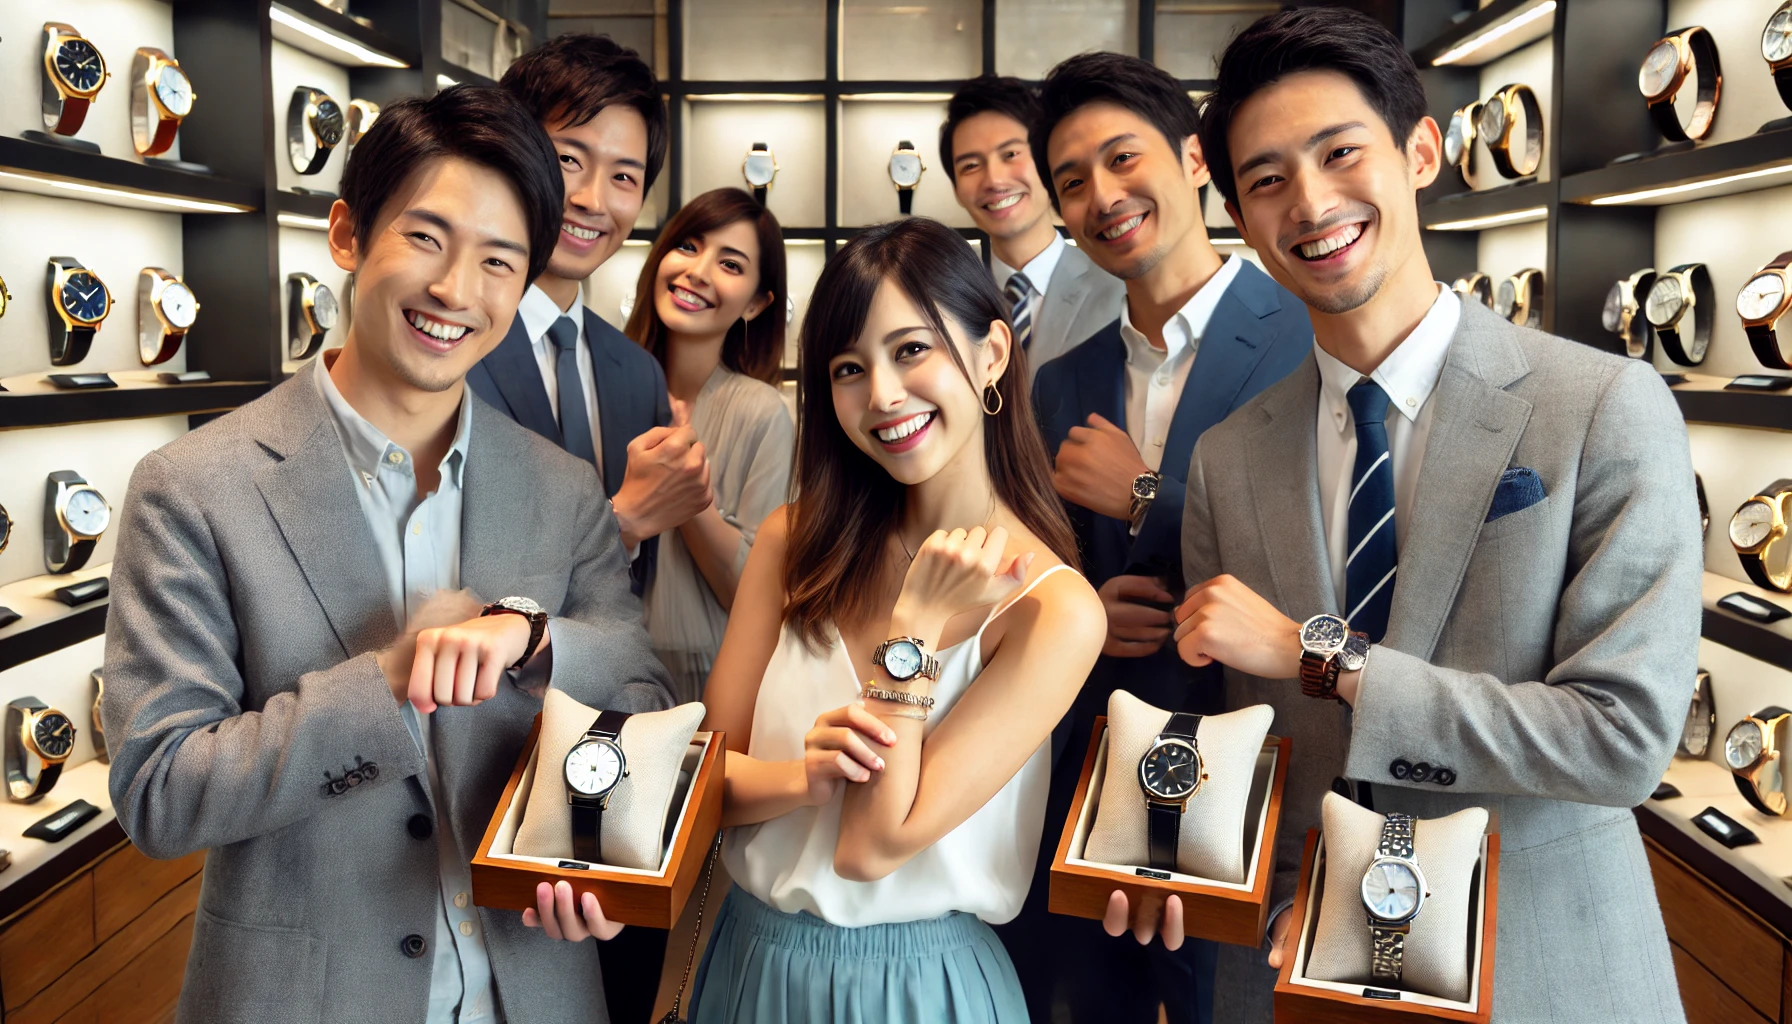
point(879, 823)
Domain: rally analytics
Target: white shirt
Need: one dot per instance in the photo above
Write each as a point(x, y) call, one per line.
point(1155, 376)
point(1409, 375)
point(538, 313)
point(1039, 271)
point(417, 543)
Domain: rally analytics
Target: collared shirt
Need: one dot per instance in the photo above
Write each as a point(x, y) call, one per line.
point(1409, 375)
point(1039, 271)
point(1155, 376)
point(538, 313)
point(417, 544)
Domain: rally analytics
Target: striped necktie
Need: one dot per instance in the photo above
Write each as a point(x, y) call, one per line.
point(1369, 569)
point(1019, 291)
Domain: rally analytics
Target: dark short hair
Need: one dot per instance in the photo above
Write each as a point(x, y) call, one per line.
point(570, 79)
point(1137, 85)
point(1310, 39)
point(987, 94)
point(483, 124)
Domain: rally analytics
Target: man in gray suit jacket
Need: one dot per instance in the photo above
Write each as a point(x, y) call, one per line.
point(1509, 517)
point(271, 696)
point(1058, 297)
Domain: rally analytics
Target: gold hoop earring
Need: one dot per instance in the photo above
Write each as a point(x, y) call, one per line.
point(987, 391)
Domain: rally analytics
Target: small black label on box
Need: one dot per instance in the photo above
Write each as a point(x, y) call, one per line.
point(1162, 876)
point(1723, 828)
point(575, 865)
point(78, 381)
point(56, 827)
point(84, 591)
point(1751, 607)
point(1381, 993)
point(1759, 382)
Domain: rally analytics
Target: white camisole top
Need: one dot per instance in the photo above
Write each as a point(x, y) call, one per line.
point(982, 867)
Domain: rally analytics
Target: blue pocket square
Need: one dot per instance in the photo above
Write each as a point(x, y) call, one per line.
point(1519, 489)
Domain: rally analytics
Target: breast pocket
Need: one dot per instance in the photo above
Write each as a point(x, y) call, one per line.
point(1517, 522)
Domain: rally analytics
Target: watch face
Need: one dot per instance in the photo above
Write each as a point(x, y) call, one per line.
point(1507, 301)
point(1743, 744)
point(1695, 735)
point(905, 169)
point(902, 660)
point(1665, 301)
point(179, 305)
point(1492, 121)
point(1751, 524)
point(1612, 316)
point(5, 528)
point(80, 65)
point(323, 307)
point(1776, 38)
point(84, 297)
point(758, 169)
point(87, 513)
point(1658, 68)
point(593, 767)
point(328, 122)
point(54, 735)
point(1760, 296)
point(175, 92)
point(1324, 634)
point(1171, 769)
point(1453, 144)
point(1391, 890)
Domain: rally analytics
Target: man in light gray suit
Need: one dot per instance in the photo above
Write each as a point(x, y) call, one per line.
point(273, 697)
point(1509, 517)
point(1058, 297)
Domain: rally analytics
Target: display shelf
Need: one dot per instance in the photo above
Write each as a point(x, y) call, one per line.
point(1743, 165)
point(464, 75)
point(46, 624)
point(68, 173)
point(1769, 642)
point(1493, 207)
point(1755, 874)
point(1500, 28)
point(1703, 400)
point(335, 37)
point(45, 406)
point(39, 867)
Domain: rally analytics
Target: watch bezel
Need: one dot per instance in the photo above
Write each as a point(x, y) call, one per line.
point(1327, 650)
point(1683, 57)
point(902, 643)
point(1418, 873)
point(68, 89)
point(1145, 485)
point(747, 161)
point(588, 741)
point(1194, 750)
point(66, 496)
point(1772, 64)
point(1779, 308)
point(63, 273)
point(1767, 745)
point(1776, 525)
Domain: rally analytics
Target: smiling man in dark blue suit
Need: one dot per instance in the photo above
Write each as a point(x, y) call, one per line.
point(1197, 337)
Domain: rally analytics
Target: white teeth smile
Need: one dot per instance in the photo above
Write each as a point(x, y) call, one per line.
point(438, 330)
point(1003, 204)
point(891, 435)
point(1123, 227)
point(582, 234)
point(1331, 243)
point(690, 298)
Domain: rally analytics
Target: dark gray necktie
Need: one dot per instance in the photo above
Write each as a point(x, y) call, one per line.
point(575, 419)
point(1019, 292)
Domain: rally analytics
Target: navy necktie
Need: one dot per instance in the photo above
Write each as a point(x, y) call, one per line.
point(1373, 558)
point(575, 419)
point(1019, 291)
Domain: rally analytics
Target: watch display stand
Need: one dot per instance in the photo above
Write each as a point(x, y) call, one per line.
point(178, 165)
point(1778, 124)
point(652, 897)
point(50, 139)
point(1224, 911)
point(1301, 998)
point(1662, 150)
point(320, 193)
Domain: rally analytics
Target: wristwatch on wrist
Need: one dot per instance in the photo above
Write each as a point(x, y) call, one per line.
point(906, 169)
point(1520, 298)
point(1776, 49)
point(1758, 533)
point(1752, 753)
point(759, 168)
point(904, 659)
point(1495, 125)
point(1144, 492)
point(166, 309)
point(35, 734)
point(594, 767)
point(1680, 292)
point(1622, 314)
point(315, 125)
point(1328, 649)
point(1701, 718)
point(73, 74)
point(538, 621)
point(1682, 52)
point(80, 301)
point(1761, 303)
point(311, 313)
point(1476, 286)
point(75, 515)
point(1394, 892)
point(360, 117)
point(99, 725)
point(1170, 773)
point(1459, 141)
point(161, 97)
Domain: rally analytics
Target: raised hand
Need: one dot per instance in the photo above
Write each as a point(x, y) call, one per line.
point(958, 571)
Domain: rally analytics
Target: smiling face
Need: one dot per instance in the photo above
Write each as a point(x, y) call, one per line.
point(1129, 198)
point(605, 164)
point(704, 284)
point(902, 399)
point(439, 281)
point(994, 177)
point(1326, 194)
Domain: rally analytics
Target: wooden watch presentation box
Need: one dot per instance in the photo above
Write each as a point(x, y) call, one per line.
point(1220, 911)
point(1302, 1000)
point(654, 899)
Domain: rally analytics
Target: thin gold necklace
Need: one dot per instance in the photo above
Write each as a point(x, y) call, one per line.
point(911, 554)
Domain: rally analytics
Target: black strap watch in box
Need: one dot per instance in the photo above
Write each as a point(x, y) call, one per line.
point(1170, 773)
point(594, 767)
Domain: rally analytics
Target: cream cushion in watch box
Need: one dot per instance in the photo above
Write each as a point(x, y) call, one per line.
point(1212, 842)
point(634, 823)
point(1438, 955)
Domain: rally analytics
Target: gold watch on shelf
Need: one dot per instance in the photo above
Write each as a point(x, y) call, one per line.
point(166, 309)
point(906, 168)
point(1682, 53)
point(1520, 298)
point(1758, 533)
point(1678, 293)
point(73, 74)
point(311, 312)
point(39, 740)
point(1776, 49)
point(360, 117)
point(1762, 301)
point(1623, 312)
point(1752, 753)
point(161, 98)
point(1459, 141)
point(1475, 285)
point(1497, 126)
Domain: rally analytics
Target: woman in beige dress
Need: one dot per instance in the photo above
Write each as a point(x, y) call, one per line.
point(710, 306)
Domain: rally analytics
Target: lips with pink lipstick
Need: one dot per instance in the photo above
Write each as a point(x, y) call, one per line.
point(687, 300)
point(904, 434)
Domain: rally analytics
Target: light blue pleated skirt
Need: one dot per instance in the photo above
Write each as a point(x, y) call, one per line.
point(764, 965)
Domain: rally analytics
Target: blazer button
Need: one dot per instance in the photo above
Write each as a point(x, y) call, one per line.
point(1444, 777)
point(1421, 771)
point(1401, 768)
point(413, 946)
point(420, 826)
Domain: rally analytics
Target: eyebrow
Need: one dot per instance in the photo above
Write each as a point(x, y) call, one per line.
point(1004, 144)
point(1103, 148)
point(896, 335)
point(737, 252)
point(1313, 141)
point(440, 222)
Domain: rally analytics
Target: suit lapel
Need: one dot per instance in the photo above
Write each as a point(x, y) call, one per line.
point(1475, 428)
point(518, 376)
point(1063, 298)
point(1284, 474)
point(1231, 347)
point(615, 399)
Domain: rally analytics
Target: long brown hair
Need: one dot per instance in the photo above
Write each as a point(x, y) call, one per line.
point(849, 504)
point(753, 348)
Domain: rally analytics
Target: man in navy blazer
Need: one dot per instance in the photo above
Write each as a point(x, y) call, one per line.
point(562, 371)
point(1197, 337)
